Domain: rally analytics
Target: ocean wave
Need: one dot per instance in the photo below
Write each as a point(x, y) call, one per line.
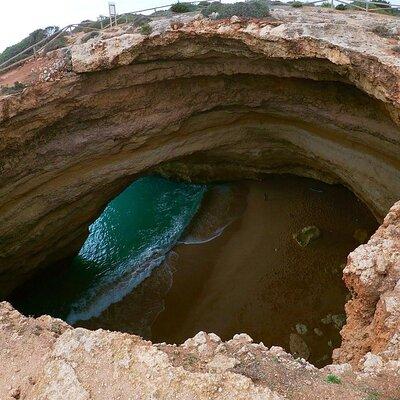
point(191, 239)
point(173, 204)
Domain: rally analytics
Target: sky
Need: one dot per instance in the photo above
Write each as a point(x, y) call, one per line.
point(21, 17)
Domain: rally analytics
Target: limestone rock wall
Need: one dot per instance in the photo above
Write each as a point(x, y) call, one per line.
point(47, 360)
point(372, 273)
point(316, 94)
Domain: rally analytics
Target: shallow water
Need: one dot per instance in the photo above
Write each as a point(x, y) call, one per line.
point(235, 268)
point(130, 238)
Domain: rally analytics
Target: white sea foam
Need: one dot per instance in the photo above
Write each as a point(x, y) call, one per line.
point(191, 239)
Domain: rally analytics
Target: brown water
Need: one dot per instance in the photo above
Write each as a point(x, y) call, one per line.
point(254, 277)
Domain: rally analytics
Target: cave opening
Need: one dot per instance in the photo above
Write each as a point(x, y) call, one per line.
point(168, 259)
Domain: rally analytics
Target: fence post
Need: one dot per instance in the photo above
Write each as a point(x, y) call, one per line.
point(332, 5)
point(367, 5)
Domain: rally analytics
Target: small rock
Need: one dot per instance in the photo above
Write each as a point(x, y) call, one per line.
point(277, 351)
point(214, 15)
point(327, 319)
point(339, 320)
point(214, 338)
point(222, 363)
point(199, 339)
point(301, 329)
point(243, 337)
point(15, 393)
point(338, 369)
point(372, 363)
point(318, 332)
point(298, 347)
point(307, 235)
point(361, 235)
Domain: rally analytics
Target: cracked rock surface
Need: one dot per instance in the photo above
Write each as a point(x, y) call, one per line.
point(48, 360)
point(314, 93)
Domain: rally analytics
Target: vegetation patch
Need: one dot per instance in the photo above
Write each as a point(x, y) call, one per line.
point(332, 378)
point(145, 29)
point(297, 4)
point(384, 31)
point(90, 35)
point(16, 88)
point(181, 8)
point(30, 40)
point(384, 7)
point(307, 235)
point(341, 7)
point(372, 396)
point(251, 9)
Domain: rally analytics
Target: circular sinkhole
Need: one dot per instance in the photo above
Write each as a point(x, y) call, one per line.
point(166, 260)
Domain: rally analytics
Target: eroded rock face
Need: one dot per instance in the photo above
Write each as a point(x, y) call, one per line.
point(47, 360)
point(371, 336)
point(315, 94)
point(206, 101)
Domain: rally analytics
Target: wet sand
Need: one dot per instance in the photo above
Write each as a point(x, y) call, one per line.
point(254, 277)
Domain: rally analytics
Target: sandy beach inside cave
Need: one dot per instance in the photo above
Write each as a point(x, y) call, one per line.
point(238, 269)
point(255, 278)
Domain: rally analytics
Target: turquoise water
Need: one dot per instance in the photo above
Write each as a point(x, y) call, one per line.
point(130, 238)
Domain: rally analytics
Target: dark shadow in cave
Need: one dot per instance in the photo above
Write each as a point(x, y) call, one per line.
point(237, 268)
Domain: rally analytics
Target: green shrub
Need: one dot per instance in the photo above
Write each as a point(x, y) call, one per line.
point(297, 4)
point(341, 7)
point(58, 43)
point(383, 31)
point(326, 4)
point(183, 8)
point(145, 29)
point(16, 88)
point(382, 8)
point(135, 19)
point(88, 24)
point(331, 378)
point(90, 35)
point(251, 9)
point(31, 39)
point(203, 4)
point(373, 396)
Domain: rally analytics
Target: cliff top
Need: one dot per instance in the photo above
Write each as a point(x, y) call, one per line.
point(373, 35)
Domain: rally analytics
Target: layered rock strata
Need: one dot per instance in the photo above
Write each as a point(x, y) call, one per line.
point(315, 94)
point(306, 92)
